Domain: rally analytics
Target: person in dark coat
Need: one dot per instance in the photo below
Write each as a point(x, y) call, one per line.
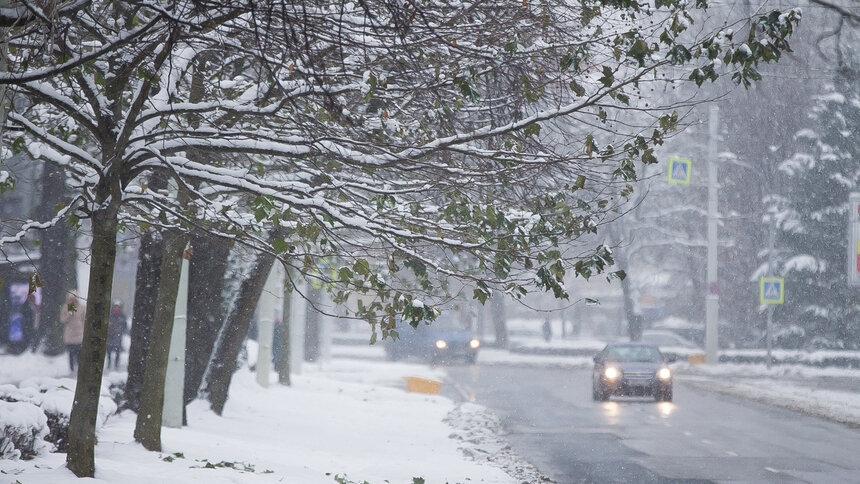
point(22, 326)
point(117, 327)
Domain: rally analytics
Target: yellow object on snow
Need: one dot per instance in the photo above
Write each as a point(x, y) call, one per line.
point(422, 385)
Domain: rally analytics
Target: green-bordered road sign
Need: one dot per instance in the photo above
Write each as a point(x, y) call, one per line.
point(679, 170)
point(771, 290)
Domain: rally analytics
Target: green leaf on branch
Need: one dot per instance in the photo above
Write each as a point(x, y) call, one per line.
point(608, 77)
point(590, 146)
point(481, 292)
point(577, 88)
point(280, 246)
point(532, 129)
point(361, 267)
point(35, 282)
point(466, 89)
point(638, 51)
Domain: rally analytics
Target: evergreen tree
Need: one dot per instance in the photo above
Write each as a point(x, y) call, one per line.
point(811, 218)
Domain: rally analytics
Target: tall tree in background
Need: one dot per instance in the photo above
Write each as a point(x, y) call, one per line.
point(57, 260)
point(811, 209)
point(206, 282)
point(811, 215)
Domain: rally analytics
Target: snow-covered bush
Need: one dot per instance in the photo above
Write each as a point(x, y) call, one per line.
point(52, 398)
point(116, 382)
point(23, 427)
point(790, 337)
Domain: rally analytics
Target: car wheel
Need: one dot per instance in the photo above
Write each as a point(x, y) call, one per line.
point(664, 395)
point(600, 394)
point(472, 358)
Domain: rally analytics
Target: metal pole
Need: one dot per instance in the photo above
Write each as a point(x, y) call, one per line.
point(326, 322)
point(174, 380)
point(265, 329)
point(712, 300)
point(286, 347)
point(770, 272)
point(297, 328)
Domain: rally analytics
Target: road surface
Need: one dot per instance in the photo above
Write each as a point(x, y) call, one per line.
point(701, 437)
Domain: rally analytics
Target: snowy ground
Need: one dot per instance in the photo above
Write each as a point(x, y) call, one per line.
point(351, 417)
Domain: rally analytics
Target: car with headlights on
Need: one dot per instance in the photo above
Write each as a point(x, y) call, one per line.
point(447, 338)
point(631, 369)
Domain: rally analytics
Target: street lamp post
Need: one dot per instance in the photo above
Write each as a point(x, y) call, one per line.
point(770, 271)
point(712, 299)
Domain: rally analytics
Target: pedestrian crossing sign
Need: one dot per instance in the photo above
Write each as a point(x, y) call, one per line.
point(772, 290)
point(679, 170)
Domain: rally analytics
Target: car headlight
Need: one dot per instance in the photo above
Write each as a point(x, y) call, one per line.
point(611, 373)
point(474, 344)
point(664, 374)
point(441, 344)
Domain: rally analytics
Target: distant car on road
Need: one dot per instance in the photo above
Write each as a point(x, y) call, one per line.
point(445, 339)
point(631, 369)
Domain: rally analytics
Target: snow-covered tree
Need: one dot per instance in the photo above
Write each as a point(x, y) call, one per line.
point(365, 132)
point(811, 215)
point(817, 173)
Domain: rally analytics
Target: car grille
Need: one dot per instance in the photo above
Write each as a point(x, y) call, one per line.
point(638, 375)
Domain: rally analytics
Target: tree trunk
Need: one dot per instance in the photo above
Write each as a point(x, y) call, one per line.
point(220, 371)
point(57, 261)
point(205, 307)
point(285, 340)
point(500, 323)
point(147, 430)
point(145, 294)
point(634, 319)
point(82, 423)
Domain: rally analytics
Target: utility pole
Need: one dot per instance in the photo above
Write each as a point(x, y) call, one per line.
point(174, 379)
point(285, 344)
point(298, 317)
point(770, 271)
point(265, 328)
point(712, 299)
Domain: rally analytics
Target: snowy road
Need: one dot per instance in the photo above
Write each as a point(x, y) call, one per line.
point(703, 436)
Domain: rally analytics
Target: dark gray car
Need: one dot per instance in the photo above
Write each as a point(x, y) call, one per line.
point(445, 339)
point(631, 369)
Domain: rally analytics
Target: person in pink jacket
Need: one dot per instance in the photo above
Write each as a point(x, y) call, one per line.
point(72, 316)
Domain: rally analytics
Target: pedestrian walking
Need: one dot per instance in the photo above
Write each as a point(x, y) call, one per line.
point(72, 316)
point(22, 325)
point(117, 328)
point(547, 330)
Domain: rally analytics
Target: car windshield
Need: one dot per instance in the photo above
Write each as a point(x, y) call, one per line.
point(660, 339)
point(448, 323)
point(633, 353)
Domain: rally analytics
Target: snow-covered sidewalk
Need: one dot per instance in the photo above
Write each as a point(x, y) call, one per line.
point(348, 421)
